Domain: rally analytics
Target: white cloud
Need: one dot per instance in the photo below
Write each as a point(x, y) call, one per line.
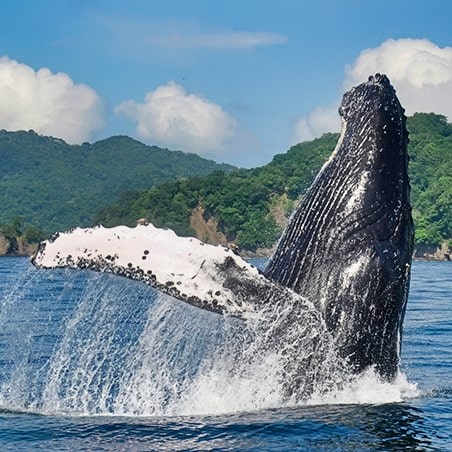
point(420, 71)
point(50, 104)
point(172, 117)
point(217, 40)
point(316, 122)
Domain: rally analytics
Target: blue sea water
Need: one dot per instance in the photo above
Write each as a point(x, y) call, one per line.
point(95, 362)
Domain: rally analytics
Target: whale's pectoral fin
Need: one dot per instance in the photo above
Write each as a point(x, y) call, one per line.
point(210, 277)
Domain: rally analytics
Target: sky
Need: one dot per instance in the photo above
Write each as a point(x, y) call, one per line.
point(235, 81)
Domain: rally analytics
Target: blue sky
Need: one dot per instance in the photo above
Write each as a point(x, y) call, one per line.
point(236, 81)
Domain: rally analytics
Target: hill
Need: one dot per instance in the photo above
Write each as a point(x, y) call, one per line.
point(250, 207)
point(430, 170)
point(54, 186)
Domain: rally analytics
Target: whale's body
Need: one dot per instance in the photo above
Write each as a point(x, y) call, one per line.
point(349, 244)
point(346, 250)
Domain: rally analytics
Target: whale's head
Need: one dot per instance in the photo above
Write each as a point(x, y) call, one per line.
point(349, 244)
point(372, 154)
point(376, 92)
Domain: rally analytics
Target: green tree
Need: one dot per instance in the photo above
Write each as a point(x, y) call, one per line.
point(243, 202)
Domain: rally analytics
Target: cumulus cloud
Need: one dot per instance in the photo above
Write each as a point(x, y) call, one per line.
point(316, 122)
point(50, 104)
point(420, 70)
point(172, 117)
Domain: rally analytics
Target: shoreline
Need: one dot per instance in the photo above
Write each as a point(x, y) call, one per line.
point(18, 247)
point(250, 255)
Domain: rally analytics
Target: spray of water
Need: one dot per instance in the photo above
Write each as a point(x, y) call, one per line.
point(99, 345)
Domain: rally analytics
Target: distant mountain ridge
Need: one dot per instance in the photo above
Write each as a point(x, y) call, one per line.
point(249, 207)
point(55, 186)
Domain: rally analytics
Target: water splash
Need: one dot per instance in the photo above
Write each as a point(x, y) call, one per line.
point(368, 388)
point(94, 344)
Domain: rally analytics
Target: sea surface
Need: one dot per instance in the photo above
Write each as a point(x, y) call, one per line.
point(96, 362)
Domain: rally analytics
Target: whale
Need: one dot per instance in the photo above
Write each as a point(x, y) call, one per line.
point(339, 275)
point(349, 244)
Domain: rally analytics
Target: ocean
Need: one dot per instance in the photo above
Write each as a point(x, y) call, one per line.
point(96, 362)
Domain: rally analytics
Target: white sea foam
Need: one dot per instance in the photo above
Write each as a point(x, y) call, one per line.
point(369, 388)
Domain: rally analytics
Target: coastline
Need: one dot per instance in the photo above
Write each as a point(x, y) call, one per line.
point(441, 252)
point(16, 247)
point(436, 254)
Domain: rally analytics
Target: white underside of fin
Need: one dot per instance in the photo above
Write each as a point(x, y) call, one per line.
point(185, 268)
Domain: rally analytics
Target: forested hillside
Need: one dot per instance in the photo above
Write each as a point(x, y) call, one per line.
point(54, 186)
point(250, 206)
point(431, 177)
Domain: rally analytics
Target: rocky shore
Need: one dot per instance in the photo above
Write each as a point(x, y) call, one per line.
point(16, 246)
point(433, 253)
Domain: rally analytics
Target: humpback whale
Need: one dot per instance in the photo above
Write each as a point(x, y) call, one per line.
point(342, 264)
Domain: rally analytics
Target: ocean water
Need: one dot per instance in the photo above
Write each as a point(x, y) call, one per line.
point(95, 362)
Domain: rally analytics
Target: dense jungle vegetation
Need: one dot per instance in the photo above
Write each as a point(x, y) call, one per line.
point(54, 186)
point(248, 206)
point(244, 203)
point(430, 170)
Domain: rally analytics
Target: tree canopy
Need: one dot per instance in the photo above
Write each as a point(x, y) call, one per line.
point(55, 186)
point(47, 185)
point(248, 204)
